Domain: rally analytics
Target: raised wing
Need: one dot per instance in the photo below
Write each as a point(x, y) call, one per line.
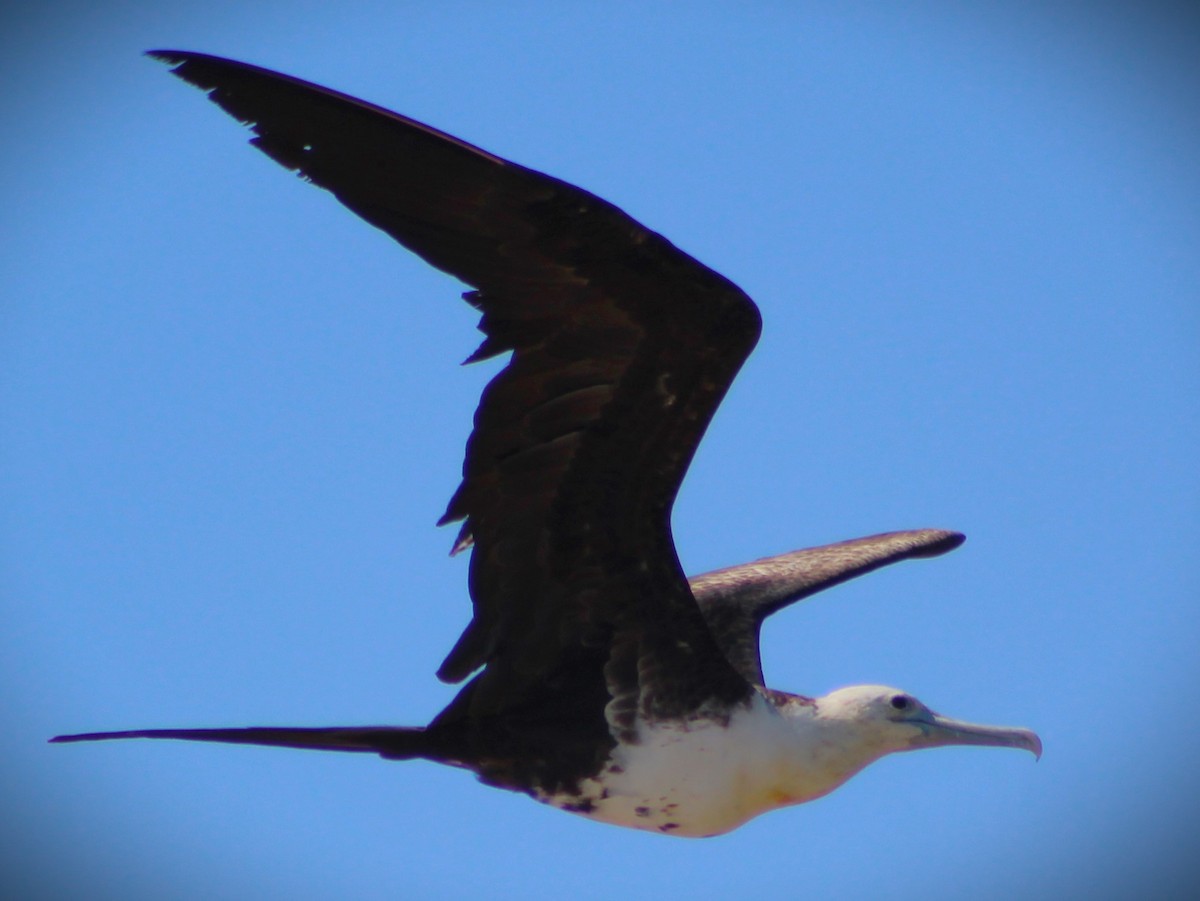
point(622, 348)
point(736, 600)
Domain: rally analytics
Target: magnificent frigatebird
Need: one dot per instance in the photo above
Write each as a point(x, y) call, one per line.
point(605, 683)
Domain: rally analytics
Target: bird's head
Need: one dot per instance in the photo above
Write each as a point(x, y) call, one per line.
point(886, 720)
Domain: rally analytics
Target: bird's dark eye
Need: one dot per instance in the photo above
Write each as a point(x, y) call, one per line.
point(901, 702)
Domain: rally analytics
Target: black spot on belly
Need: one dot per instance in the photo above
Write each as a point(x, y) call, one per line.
point(667, 827)
point(583, 805)
point(642, 811)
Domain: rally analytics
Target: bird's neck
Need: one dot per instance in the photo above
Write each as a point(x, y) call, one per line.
point(819, 752)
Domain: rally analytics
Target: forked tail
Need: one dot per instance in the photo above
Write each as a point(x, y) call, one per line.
point(390, 742)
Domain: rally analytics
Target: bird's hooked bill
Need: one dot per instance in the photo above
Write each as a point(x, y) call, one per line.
point(942, 731)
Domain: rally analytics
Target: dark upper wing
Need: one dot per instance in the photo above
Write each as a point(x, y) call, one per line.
point(623, 347)
point(736, 600)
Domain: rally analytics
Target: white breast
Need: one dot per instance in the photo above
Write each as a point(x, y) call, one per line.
point(705, 777)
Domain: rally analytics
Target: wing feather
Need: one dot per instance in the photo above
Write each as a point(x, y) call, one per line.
point(622, 348)
point(738, 599)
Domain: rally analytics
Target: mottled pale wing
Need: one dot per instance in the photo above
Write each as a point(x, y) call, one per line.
point(736, 600)
point(622, 348)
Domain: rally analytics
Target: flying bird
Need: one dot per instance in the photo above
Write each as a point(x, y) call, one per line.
point(601, 680)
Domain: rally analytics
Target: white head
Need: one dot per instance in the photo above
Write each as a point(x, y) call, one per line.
point(878, 720)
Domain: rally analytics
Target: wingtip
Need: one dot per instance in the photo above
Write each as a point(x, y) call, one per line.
point(178, 59)
point(170, 57)
point(938, 542)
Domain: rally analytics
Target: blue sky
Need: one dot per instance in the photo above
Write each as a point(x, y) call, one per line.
point(232, 413)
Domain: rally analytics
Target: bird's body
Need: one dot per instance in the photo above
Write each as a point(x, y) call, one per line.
point(707, 775)
point(601, 680)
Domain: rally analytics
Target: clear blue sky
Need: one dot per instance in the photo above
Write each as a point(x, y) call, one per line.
point(232, 413)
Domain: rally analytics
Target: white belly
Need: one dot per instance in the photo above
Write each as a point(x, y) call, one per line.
point(700, 778)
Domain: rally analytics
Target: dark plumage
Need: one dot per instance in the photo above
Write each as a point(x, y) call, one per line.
point(585, 632)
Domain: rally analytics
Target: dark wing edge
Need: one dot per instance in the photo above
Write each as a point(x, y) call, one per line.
point(622, 348)
point(736, 600)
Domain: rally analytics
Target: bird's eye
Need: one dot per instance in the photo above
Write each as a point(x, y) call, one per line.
point(901, 702)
